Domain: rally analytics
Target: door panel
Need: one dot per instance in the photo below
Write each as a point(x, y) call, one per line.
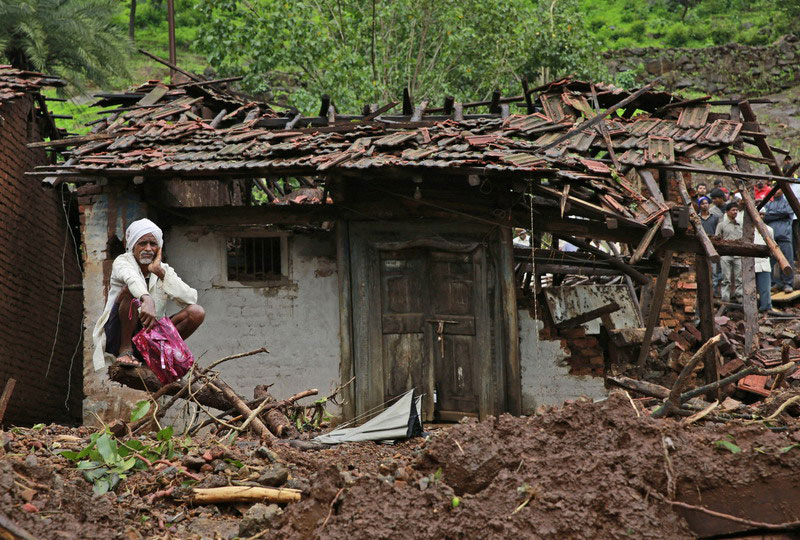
point(422, 318)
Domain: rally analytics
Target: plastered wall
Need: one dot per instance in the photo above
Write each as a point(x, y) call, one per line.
point(298, 322)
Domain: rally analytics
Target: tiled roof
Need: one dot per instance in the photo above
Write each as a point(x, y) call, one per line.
point(195, 130)
point(15, 83)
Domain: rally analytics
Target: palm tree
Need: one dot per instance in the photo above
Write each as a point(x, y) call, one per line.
point(74, 39)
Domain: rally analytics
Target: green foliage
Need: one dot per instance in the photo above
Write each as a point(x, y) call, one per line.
point(360, 52)
point(691, 23)
point(105, 461)
point(727, 445)
point(140, 410)
point(75, 39)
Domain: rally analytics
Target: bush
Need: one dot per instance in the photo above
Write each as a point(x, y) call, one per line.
point(637, 29)
point(720, 35)
point(677, 36)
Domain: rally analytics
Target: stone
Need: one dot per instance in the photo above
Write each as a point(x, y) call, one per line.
point(273, 476)
point(265, 453)
point(258, 518)
point(192, 461)
point(211, 529)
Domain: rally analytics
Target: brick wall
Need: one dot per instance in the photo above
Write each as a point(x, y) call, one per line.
point(584, 353)
point(31, 249)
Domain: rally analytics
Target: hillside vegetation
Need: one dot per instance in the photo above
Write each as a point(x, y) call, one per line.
point(327, 47)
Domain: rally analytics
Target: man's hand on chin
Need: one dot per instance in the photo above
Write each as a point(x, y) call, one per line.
point(155, 266)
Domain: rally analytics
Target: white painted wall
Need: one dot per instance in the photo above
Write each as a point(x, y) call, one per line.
point(298, 322)
point(545, 374)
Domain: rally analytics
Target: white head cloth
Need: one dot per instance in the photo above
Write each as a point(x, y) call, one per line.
point(139, 228)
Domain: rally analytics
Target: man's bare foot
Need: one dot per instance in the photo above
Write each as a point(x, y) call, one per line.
point(127, 359)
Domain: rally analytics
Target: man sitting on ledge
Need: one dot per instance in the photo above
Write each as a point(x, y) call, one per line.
point(139, 273)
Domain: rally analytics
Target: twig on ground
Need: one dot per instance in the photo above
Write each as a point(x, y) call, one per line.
point(744, 521)
point(636, 409)
point(330, 509)
point(160, 494)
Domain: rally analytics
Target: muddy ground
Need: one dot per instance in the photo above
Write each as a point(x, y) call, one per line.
point(586, 470)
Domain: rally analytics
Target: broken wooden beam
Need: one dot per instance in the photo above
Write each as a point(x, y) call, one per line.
point(705, 309)
point(750, 207)
point(588, 316)
point(655, 309)
point(766, 151)
point(627, 269)
point(667, 230)
point(699, 231)
point(641, 387)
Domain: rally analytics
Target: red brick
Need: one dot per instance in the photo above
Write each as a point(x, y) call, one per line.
point(573, 333)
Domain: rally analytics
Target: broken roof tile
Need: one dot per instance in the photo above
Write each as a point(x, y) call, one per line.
point(694, 116)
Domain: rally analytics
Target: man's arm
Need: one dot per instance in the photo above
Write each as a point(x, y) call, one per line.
point(777, 210)
point(130, 274)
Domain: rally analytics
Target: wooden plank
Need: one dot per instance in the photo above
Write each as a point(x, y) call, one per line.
point(705, 308)
point(612, 260)
point(345, 318)
point(750, 207)
point(766, 151)
point(667, 230)
point(700, 232)
point(655, 310)
point(6, 397)
point(577, 320)
point(647, 239)
point(749, 305)
point(597, 119)
point(513, 382)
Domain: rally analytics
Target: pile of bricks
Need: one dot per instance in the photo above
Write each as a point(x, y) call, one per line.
point(585, 352)
point(680, 298)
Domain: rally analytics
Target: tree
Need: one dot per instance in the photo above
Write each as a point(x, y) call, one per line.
point(74, 39)
point(366, 51)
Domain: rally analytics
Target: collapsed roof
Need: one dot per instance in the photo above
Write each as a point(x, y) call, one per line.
point(16, 83)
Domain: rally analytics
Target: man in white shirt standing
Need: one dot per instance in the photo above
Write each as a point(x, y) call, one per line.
point(140, 274)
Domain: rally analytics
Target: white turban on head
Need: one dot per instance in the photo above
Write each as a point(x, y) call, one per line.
point(139, 228)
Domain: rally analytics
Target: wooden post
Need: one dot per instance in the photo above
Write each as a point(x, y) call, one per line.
point(705, 241)
point(655, 309)
point(345, 318)
point(4, 399)
point(667, 229)
point(509, 294)
point(705, 308)
point(766, 151)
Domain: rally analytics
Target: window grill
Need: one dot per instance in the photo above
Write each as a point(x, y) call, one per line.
point(254, 259)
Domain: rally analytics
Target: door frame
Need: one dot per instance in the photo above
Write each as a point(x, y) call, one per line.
point(500, 384)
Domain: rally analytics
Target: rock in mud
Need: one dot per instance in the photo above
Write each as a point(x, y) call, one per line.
point(258, 518)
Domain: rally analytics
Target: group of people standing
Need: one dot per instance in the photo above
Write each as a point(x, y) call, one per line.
point(720, 215)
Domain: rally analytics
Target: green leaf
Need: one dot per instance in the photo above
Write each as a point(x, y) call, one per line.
point(70, 455)
point(727, 445)
point(38, 427)
point(790, 447)
point(165, 434)
point(437, 475)
point(140, 410)
point(454, 502)
point(107, 449)
point(101, 486)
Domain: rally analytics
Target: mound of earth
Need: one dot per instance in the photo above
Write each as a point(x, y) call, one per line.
point(586, 470)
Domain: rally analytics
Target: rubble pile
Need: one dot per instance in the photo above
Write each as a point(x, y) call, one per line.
point(585, 470)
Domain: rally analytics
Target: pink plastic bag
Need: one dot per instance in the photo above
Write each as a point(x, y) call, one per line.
point(164, 350)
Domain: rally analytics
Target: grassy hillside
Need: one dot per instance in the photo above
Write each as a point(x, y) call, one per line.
point(614, 24)
point(662, 23)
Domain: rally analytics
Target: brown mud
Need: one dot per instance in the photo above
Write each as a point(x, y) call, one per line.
point(586, 470)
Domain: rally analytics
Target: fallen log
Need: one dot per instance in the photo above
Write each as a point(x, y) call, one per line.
point(277, 422)
point(141, 378)
point(642, 387)
point(241, 406)
point(230, 494)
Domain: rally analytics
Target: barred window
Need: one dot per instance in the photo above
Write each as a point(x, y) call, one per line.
point(252, 259)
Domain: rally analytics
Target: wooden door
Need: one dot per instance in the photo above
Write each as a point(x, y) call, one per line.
point(421, 319)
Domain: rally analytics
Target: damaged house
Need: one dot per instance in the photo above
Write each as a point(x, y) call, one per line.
point(380, 247)
point(41, 275)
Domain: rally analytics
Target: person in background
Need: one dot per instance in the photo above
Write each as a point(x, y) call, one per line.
point(761, 190)
point(708, 220)
point(730, 228)
point(763, 270)
point(701, 190)
point(718, 198)
point(778, 215)
point(719, 185)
